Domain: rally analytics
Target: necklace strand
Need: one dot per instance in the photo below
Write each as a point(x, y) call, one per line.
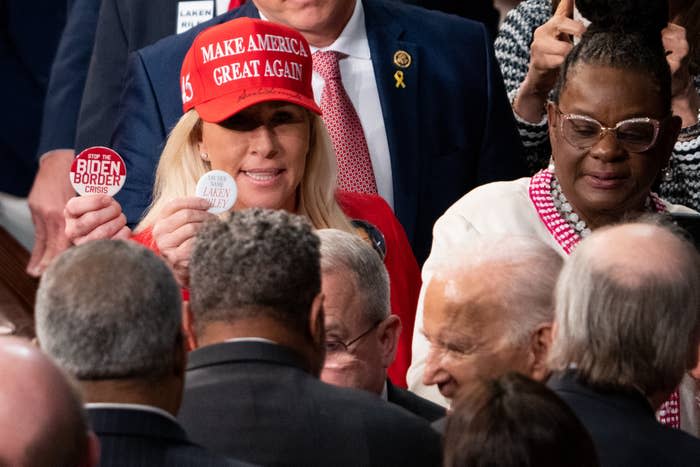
point(566, 211)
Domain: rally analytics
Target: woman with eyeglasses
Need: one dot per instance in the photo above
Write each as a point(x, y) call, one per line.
point(611, 131)
point(536, 36)
point(249, 111)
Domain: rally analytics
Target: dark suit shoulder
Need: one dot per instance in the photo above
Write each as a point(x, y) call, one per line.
point(623, 427)
point(239, 396)
point(415, 404)
point(429, 24)
point(141, 438)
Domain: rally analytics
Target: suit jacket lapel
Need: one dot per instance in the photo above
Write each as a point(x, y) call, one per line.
point(399, 101)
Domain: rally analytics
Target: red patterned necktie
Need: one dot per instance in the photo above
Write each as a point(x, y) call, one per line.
point(354, 164)
point(669, 413)
point(233, 4)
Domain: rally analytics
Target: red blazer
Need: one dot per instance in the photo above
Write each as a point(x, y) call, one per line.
point(404, 273)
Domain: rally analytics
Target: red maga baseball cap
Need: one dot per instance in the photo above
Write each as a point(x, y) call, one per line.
point(243, 62)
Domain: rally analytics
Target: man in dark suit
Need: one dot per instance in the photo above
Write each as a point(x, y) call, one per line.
point(361, 333)
point(627, 325)
point(252, 386)
point(125, 346)
point(441, 123)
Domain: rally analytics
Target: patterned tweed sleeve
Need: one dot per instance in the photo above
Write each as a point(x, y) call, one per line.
point(513, 55)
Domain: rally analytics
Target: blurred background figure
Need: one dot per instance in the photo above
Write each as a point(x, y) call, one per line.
point(29, 35)
point(627, 329)
point(513, 421)
point(42, 421)
point(126, 348)
point(51, 188)
point(361, 334)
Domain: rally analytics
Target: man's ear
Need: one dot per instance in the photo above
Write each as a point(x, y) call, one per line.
point(540, 343)
point(316, 318)
point(388, 333)
point(188, 327)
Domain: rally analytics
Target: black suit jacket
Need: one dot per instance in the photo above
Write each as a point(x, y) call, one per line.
point(132, 438)
point(256, 402)
point(29, 34)
point(414, 403)
point(478, 10)
point(623, 427)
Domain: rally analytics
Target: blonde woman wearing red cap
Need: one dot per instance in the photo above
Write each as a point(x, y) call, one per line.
point(249, 111)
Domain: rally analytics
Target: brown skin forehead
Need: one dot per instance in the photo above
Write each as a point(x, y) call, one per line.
point(610, 94)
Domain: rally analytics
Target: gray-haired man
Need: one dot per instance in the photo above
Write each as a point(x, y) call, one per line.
point(627, 328)
point(361, 333)
point(489, 311)
point(109, 312)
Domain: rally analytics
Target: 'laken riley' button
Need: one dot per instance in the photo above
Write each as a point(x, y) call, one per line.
point(219, 188)
point(98, 170)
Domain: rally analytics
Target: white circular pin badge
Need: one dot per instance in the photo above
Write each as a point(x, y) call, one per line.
point(98, 170)
point(219, 188)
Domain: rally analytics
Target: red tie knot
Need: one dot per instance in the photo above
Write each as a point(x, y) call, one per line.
point(326, 64)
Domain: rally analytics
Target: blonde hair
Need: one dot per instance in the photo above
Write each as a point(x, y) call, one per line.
point(180, 167)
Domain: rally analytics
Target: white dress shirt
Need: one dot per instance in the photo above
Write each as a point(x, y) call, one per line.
point(360, 84)
point(141, 407)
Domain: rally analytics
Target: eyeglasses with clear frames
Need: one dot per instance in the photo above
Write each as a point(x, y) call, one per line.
point(337, 346)
point(634, 134)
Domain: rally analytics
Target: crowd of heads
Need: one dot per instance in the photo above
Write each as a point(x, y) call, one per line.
point(501, 317)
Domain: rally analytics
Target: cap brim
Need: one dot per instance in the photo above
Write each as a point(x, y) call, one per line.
point(221, 108)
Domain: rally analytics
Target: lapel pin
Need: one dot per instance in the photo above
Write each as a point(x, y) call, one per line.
point(402, 59)
point(398, 76)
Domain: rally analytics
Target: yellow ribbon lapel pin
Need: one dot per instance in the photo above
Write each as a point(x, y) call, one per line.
point(402, 59)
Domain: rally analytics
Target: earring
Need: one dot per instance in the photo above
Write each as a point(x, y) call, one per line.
point(204, 156)
point(550, 166)
point(667, 172)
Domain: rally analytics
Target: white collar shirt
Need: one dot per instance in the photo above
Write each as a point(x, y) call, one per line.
point(357, 74)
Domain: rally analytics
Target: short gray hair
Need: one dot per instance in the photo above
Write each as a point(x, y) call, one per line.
point(258, 262)
point(624, 323)
point(110, 309)
point(344, 251)
point(525, 269)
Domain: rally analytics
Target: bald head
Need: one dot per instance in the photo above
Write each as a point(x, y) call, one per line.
point(631, 253)
point(489, 312)
point(628, 308)
point(41, 416)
